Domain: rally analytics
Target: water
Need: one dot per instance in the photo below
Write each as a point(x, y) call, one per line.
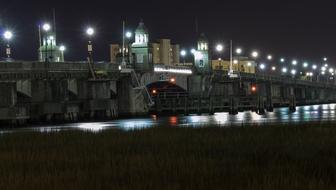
point(323, 113)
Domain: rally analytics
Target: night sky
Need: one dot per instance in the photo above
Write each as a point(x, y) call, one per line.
point(300, 29)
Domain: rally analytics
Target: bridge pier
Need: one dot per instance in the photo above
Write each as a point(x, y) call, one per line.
point(269, 96)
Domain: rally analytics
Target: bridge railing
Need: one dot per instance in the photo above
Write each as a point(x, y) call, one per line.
point(66, 66)
point(276, 78)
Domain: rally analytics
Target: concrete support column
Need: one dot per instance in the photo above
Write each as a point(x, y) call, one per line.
point(269, 97)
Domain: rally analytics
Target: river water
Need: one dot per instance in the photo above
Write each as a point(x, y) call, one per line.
point(315, 113)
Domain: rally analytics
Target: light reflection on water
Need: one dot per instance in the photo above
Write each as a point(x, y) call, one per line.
point(280, 115)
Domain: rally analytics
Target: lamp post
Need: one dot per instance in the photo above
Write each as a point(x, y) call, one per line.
point(46, 28)
point(127, 36)
point(62, 49)
point(220, 49)
point(90, 32)
point(255, 56)
point(239, 51)
point(183, 55)
point(8, 35)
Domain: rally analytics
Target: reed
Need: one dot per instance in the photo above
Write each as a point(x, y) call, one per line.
point(276, 157)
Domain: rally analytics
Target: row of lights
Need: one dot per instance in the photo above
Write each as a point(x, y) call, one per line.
point(262, 66)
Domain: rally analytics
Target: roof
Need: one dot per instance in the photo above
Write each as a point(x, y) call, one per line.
point(141, 28)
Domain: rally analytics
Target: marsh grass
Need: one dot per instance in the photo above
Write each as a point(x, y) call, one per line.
point(172, 158)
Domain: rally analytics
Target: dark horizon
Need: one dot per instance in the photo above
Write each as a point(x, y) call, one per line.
point(284, 29)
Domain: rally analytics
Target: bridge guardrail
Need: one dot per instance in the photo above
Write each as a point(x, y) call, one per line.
point(42, 66)
point(275, 78)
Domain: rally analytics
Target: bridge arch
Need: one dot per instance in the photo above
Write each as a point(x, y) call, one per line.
point(166, 88)
point(150, 78)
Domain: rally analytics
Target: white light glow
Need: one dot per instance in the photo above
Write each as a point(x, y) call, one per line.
point(183, 53)
point(255, 54)
point(269, 57)
point(294, 62)
point(46, 27)
point(172, 70)
point(8, 35)
point(293, 72)
point(128, 34)
point(198, 55)
point(305, 64)
point(239, 51)
point(284, 70)
point(314, 67)
point(62, 48)
point(90, 31)
point(262, 66)
point(219, 48)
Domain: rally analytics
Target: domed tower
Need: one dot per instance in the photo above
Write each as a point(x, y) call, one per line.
point(49, 51)
point(142, 57)
point(202, 62)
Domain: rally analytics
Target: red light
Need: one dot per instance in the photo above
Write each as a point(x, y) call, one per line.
point(254, 88)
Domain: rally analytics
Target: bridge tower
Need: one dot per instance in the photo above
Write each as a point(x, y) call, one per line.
point(49, 51)
point(142, 57)
point(202, 62)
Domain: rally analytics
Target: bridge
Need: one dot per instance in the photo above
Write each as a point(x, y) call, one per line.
point(39, 91)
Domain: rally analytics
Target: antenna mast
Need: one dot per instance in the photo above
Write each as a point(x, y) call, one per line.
point(54, 20)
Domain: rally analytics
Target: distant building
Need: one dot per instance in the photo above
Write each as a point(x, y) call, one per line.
point(165, 53)
point(160, 52)
point(115, 49)
point(240, 64)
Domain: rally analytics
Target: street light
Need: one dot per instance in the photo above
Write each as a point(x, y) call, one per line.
point(90, 32)
point(46, 40)
point(46, 27)
point(293, 72)
point(314, 67)
point(8, 35)
point(255, 54)
point(129, 35)
point(331, 70)
point(269, 57)
point(62, 49)
point(262, 66)
point(193, 51)
point(183, 54)
point(305, 64)
point(325, 59)
point(284, 70)
point(239, 51)
point(219, 48)
point(294, 62)
point(282, 60)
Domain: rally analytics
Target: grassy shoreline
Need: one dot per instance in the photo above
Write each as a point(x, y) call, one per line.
point(284, 157)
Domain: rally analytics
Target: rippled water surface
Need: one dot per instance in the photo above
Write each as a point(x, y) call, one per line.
point(280, 115)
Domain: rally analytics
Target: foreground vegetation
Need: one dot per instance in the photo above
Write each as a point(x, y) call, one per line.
point(172, 158)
